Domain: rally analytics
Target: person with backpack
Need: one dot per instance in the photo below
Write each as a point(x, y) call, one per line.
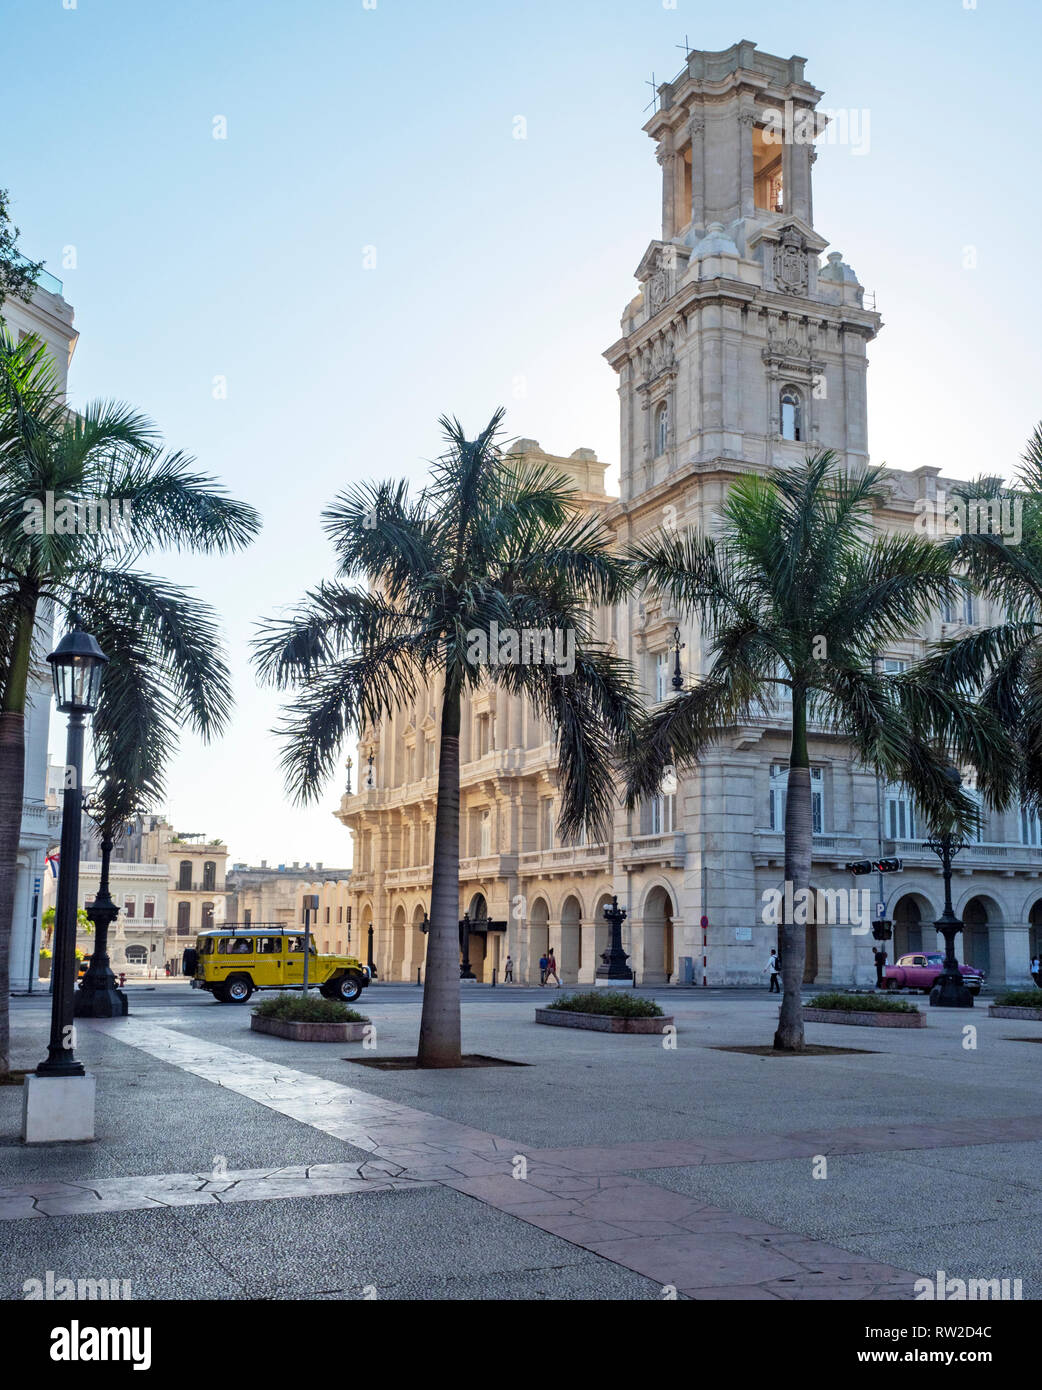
point(508, 971)
point(773, 968)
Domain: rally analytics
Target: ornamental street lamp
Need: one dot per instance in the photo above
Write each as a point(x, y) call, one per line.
point(369, 958)
point(97, 996)
point(678, 647)
point(349, 765)
point(949, 991)
point(77, 664)
point(614, 965)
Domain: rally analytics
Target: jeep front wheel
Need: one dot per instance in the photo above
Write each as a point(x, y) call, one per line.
point(347, 988)
point(238, 991)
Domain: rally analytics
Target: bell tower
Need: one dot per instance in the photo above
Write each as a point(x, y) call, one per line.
point(741, 348)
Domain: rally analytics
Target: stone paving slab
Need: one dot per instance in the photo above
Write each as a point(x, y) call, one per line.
point(190, 1189)
point(584, 1198)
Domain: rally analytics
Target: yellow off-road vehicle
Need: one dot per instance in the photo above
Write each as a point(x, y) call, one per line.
point(232, 961)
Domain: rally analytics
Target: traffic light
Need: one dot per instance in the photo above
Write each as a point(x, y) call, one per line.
point(874, 866)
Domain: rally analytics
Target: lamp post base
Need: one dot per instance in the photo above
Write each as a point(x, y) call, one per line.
point(99, 1001)
point(950, 994)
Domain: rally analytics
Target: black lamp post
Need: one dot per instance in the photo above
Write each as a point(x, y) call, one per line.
point(369, 958)
point(614, 965)
point(77, 664)
point(97, 996)
point(950, 991)
point(678, 647)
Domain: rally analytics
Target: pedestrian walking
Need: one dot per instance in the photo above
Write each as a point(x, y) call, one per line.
point(551, 969)
point(543, 963)
point(1036, 971)
point(773, 968)
point(880, 958)
point(508, 971)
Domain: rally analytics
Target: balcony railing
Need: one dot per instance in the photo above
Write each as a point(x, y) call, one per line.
point(44, 279)
point(566, 858)
point(669, 848)
point(119, 868)
point(1009, 855)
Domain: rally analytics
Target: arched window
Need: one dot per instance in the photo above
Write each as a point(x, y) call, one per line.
point(209, 876)
point(791, 414)
point(661, 428)
point(136, 955)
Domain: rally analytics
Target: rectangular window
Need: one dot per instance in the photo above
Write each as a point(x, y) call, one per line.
point(779, 793)
point(484, 725)
point(968, 610)
point(485, 833)
point(430, 757)
point(340, 913)
point(900, 815)
point(130, 905)
point(546, 823)
point(269, 945)
point(663, 814)
point(1030, 827)
point(893, 666)
point(662, 676)
point(150, 908)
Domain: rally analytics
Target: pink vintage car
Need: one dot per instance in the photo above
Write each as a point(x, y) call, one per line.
point(921, 969)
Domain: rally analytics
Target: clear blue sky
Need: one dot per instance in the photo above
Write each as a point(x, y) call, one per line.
point(502, 265)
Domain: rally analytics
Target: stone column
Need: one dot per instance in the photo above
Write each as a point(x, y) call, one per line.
point(1009, 959)
point(746, 192)
point(668, 161)
point(696, 129)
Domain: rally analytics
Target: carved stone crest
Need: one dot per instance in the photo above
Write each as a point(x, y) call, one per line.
point(790, 263)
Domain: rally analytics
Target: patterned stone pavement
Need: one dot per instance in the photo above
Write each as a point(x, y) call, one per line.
point(582, 1195)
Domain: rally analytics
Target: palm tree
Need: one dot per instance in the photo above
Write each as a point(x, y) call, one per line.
point(54, 463)
point(1003, 560)
point(136, 729)
point(796, 593)
point(488, 542)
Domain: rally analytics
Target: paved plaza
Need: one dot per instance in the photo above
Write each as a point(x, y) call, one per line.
point(230, 1164)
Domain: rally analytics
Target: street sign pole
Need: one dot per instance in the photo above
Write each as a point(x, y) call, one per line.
point(310, 904)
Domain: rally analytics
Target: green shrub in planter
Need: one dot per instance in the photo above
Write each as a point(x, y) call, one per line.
point(295, 1008)
point(863, 1003)
point(1020, 998)
point(619, 1003)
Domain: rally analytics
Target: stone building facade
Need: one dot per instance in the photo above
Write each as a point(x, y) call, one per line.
point(741, 350)
point(275, 895)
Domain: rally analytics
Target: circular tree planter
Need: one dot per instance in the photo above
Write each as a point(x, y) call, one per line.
point(310, 1032)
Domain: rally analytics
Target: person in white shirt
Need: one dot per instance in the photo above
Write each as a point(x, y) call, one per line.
point(773, 968)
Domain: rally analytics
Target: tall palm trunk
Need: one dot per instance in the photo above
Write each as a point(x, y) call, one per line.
point(12, 791)
point(798, 845)
point(440, 1020)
